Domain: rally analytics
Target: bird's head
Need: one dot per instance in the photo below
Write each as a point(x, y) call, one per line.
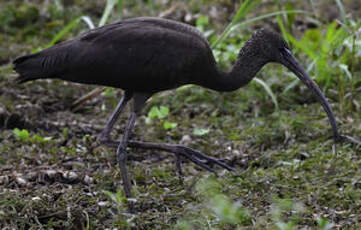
point(270, 44)
point(274, 48)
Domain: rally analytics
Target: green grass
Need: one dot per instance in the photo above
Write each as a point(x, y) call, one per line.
point(289, 173)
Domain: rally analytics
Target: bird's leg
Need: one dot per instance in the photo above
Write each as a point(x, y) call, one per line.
point(178, 164)
point(139, 100)
point(104, 136)
point(122, 156)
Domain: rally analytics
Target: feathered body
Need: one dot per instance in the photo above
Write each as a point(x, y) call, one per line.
point(147, 55)
point(141, 54)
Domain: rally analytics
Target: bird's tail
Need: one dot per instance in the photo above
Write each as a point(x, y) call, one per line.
point(28, 67)
point(38, 66)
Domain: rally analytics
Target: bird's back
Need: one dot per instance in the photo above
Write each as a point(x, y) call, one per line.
point(140, 54)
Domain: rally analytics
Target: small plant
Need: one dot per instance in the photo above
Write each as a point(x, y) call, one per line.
point(169, 125)
point(22, 134)
point(25, 136)
point(339, 43)
point(160, 113)
point(286, 213)
point(200, 132)
point(218, 211)
point(324, 224)
point(120, 202)
point(118, 199)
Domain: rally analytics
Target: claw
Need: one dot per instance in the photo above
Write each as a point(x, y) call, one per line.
point(344, 138)
point(208, 158)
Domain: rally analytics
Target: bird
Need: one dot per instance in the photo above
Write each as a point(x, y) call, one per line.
point(146, 55)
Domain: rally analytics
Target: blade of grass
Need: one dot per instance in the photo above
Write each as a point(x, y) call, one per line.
point(268, 90)
point(312, 54)
point(279, 19)
point(296, 81)
point(291, 86)
point(226, 32)
point(313, 8)
point(68, 28)
point(64, 31)
point(282, 27)
point(107, 10)
point(120, 8)
point(247, 6)
point(88, 21)
point(273, 14)
point(342, 11)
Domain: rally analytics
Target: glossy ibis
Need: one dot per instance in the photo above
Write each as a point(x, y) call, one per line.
point(146, 55)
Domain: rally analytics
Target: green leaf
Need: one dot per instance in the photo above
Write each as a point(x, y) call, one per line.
point(21, 134)
point(346, 70)
point(200, 132)
point(109, 92)
point(39, 139)
point(202, 22)
point(163, 112)
point(153, 112)
point(247, 6)
point(169, 125)
point(158, 112)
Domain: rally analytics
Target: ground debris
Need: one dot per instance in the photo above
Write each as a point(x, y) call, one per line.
point(46, 176)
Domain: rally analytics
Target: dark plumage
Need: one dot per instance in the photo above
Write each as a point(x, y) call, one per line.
point(145, 55)
point(141, 55)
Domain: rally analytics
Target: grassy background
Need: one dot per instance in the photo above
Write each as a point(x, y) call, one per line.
point(290, 175)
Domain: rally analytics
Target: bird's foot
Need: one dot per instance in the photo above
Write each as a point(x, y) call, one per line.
point(348, 139)
point(105, 139)
point(180, 151)
point(204, 161)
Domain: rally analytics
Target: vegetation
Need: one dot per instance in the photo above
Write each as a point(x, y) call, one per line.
point(290, 174)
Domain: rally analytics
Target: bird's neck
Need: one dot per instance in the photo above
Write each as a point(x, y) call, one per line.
point(249, 62)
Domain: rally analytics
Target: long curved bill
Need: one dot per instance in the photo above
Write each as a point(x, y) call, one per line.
point(292, 64)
